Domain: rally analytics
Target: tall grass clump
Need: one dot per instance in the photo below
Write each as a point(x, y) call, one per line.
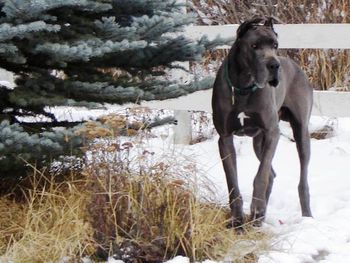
point(151, 210)
point(149, 207)
point(327, 69)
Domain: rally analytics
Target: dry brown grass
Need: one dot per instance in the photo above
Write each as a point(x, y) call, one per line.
point(328, 69)
point(145, 217)
point(152, 218)
point(12, 216)
point(48, 226)
point(325, 68)
point(151, 211)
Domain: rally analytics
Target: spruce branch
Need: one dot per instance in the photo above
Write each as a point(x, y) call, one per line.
point(8, 31)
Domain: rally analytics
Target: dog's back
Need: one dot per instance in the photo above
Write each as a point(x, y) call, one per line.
point(297, 90)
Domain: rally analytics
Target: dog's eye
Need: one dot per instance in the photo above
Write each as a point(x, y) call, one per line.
point(254, 46)
point(275, 45)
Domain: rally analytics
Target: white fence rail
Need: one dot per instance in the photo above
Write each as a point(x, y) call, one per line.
point(326, 103)
point(323, 36)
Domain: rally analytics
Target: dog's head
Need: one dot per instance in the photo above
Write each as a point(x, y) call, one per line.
point(257, 52)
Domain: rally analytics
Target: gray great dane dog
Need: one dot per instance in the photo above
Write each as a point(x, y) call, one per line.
point(253, 90)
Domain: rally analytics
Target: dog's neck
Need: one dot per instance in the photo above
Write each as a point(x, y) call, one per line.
point(239, 90)
point(232, 68)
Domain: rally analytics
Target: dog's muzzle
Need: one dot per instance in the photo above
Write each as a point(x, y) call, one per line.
point(273, 66)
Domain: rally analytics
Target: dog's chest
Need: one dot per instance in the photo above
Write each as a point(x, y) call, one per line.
point(246, 124)
point(254, 112)
point(248, 121)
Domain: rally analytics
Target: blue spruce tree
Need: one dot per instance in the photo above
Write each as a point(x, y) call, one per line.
point(83, 40)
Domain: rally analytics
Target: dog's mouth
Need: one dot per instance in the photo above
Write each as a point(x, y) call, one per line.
point(274, 82)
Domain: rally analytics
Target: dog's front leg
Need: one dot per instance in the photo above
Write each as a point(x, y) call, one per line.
point(228, 156)
point(261, 181)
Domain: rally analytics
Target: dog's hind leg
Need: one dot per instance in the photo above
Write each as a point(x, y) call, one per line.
point(228, 156)
point(302, 139)
point(258, 144)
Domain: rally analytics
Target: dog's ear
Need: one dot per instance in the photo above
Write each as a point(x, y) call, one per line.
point(269, 23)
point(245, 26)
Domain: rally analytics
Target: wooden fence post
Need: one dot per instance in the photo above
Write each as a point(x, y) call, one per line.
point(183, 129)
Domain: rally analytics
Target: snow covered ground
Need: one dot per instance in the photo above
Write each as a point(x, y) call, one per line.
point(324, 238)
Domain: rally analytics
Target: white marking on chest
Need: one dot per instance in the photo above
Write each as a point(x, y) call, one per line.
point(241, 118)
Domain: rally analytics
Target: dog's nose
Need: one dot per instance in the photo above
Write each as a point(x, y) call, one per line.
point(273, 65)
